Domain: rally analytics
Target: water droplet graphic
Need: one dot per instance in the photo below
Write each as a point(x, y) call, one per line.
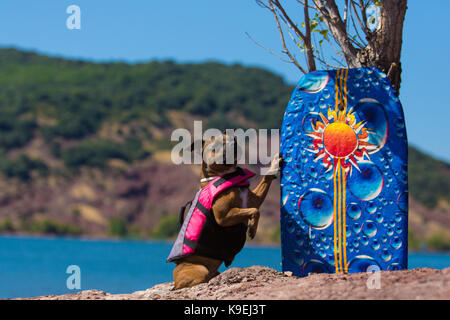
point(371, 207)
point(396, 242)
point(375, 117)
point(402, 202)
point(315, 266)
point(358, 73)
point(370, 228)
point(313, 172)
point(386, 255)
point(322, 253)
point(400, 123)
point(392, 223)
point(395, 267)
point(379, 218)
point(290, 225)
point(353, 211)
point(362, 263)
point(348, 231)
point(297, 257)
point(313, 82)
point(375, 244)
point(380, 75)
point(299, 239)
point(364, 241)
point(356, 227)
point(285, 199)
point(367, 183)
point(316, 208)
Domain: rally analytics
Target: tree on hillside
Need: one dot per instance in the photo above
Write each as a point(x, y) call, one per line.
point(363, 33)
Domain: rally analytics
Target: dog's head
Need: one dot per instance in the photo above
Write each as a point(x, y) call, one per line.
point(219, 154)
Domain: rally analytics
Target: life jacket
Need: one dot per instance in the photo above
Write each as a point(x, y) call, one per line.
point(200, 234)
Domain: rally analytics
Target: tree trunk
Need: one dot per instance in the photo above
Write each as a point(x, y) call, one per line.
point(385, 44)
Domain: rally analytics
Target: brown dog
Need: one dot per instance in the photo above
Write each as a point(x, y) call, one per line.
point(233, 206)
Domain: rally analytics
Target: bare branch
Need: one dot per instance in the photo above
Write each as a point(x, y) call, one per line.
point(309, 49)
point(363, 12)
point(286, 16)
point(363, 25)
point(283, 42)
point(304, 4)
point(268, 49)
point(362, 44)
point(345, 13)
point(330, 13)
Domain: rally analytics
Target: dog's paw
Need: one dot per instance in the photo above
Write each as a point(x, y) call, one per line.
point(274, 169)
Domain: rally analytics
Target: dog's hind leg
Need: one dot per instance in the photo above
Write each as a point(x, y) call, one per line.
point(187, 275)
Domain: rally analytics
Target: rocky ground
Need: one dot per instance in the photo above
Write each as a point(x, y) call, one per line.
point(264, 283)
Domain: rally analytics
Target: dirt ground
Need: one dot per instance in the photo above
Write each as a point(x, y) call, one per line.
point(264, 283)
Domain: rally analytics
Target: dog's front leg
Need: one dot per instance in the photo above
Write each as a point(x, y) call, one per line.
point(237, 215)
point(256, 196)
point(240, 215)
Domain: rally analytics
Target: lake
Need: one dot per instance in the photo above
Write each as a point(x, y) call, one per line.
point(31, 266)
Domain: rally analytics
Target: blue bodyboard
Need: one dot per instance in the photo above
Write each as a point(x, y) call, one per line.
point(344, 179)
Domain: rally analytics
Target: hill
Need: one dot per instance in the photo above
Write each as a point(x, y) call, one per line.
point(84, 147)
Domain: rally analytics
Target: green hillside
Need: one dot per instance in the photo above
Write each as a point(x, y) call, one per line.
point(58, 116)
point(429, 179)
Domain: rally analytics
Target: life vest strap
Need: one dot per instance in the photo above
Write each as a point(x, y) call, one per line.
point(202, 208)
point(228, 176)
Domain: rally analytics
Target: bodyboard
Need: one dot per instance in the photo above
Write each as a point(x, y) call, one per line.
point(344, 178)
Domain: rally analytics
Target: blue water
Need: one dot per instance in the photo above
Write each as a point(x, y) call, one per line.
point(37, 266)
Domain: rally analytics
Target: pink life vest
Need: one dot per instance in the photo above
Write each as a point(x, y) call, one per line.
point(200, 234)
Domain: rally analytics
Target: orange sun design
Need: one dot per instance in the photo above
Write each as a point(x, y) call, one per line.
point(341, 143)
point(339, 140)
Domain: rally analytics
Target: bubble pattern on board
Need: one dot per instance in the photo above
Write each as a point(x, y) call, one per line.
point(366, 146)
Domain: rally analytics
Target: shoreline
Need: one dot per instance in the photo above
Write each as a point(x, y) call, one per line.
point(167, 241)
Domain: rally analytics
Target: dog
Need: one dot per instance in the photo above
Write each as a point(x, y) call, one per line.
point(234, 206)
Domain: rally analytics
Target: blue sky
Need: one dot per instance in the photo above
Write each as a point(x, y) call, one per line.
point(201, 30)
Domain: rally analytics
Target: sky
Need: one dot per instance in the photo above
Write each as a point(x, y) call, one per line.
point(205, 30)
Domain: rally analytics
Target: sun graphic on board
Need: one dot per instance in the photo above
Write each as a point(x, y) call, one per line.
point(342, 144)
point(339, 140)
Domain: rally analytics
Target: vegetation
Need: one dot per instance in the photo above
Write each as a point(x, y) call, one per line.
point(167, 228)
point(6, 225)
point(79, 96)
point(97, 153)
point(439, 241)
point(22, 167)
point(69, 103)
point(429, 179)
point(414, 243)
point(276, 234)
point(118, 227)
point(48, 226)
